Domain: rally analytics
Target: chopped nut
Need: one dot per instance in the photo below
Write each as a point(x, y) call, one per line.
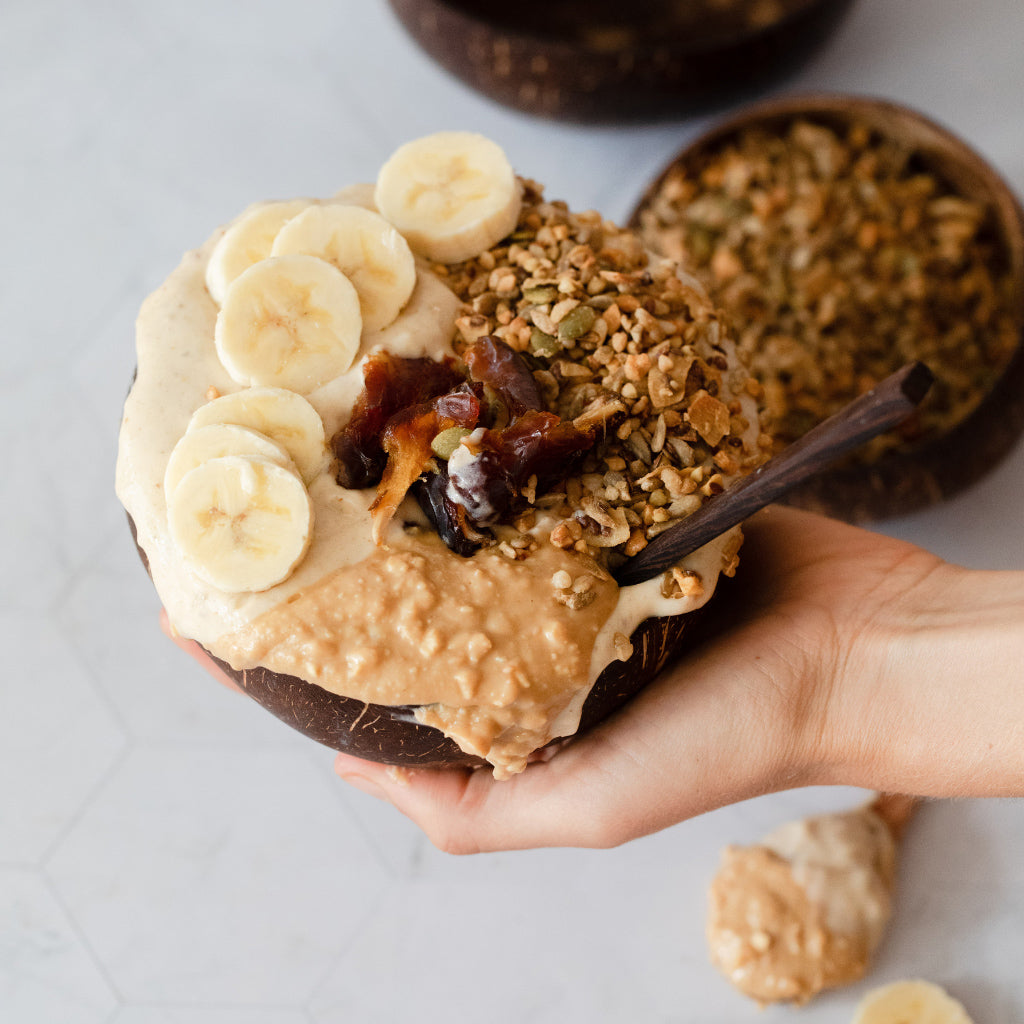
point(561, 536)
point(582, 584)
point(607, 525)
point(659, 435)
point(530, 490)
point(636, 543)
point(575, 601)
point(472, 327)
point(525, 521)
point(709, 417)
point(682, 583)
point(638, 365)
point(560, 309)
point(623, 646)
point(660, 389)
point(561, 580)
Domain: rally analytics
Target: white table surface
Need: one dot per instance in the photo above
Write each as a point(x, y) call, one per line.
point(170, 854)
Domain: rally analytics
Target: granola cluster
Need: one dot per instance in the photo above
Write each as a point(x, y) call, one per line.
point(838, 257)
point(627, 345)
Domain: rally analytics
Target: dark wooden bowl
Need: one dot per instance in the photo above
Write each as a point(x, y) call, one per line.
point(391, 735)
point(602, 61)
point(905, 479)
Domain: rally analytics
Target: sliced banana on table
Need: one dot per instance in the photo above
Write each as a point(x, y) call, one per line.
point(247, 241)
point(451, 194)
point(243, 524)
point(289, 321)
point(281, 415)
point(910, 1002)
point(214, 441)
point(364, 247)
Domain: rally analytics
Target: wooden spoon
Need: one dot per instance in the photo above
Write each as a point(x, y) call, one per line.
point(881, 409)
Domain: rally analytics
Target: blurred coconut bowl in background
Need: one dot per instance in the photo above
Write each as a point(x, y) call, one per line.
point(608, 61)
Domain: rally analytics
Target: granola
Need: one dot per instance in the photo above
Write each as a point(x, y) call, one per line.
point(839, 256)
point(625, 343)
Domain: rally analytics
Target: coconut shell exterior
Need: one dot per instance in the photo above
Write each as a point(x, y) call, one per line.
point(390, 734)
point(656, 74)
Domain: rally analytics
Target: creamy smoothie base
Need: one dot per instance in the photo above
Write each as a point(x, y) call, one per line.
point(498, 650)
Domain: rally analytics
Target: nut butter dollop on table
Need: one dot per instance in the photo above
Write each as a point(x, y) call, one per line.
point(804, 909)
point(466, 448)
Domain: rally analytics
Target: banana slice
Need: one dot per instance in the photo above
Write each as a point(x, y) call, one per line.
point(910, 1002)
point(364, 247)
point(281, 415)
point(247, 241)
point(452, 194)
point(214, 441)
point(243, 524)
point(291, 321)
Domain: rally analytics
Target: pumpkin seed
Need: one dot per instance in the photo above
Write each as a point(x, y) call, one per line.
point(543, 344)
point(576, 323)
point(445, 443)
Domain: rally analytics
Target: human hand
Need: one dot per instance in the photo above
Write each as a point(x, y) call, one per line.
point(760, 708)
point(839, 657)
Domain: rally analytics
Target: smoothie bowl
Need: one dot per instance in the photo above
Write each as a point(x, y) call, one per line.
point(384, 450)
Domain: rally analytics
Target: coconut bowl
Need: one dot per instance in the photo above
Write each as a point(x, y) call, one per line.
point(915, 474)
point(604, 61)
point(391, 735)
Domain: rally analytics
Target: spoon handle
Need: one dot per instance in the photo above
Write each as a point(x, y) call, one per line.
point(881, 409)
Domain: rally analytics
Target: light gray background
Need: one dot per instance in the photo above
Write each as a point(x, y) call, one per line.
point(169, 854)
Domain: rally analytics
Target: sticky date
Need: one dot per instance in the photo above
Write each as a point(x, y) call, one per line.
point(390, 384)
point(522, 448)
point(495, 364)
point(406, 440)
point(536, 445)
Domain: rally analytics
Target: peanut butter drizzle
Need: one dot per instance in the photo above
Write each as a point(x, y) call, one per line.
point(482, 642)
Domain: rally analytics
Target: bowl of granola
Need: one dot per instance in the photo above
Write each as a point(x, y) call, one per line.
point(385, 450)
point(605, 61)
point(843, 237)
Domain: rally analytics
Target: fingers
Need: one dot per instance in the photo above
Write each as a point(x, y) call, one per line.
point(675, 751)
point(196, 652)
point(466, 811)
point(575, 799)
